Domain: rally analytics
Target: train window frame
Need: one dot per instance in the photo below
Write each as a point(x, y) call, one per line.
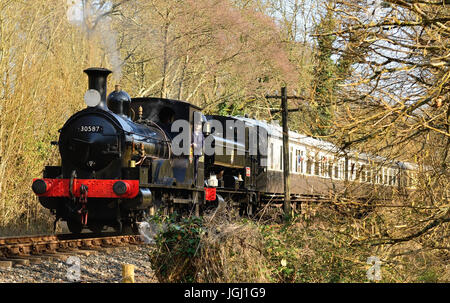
point(281, 158)
point(297, 160)
point(357, 172)
point(302, 166)
point(316, 166)
point(291, 164)
point(351, 170)
point(309, 165)
point(272, 160)
point(323, 166)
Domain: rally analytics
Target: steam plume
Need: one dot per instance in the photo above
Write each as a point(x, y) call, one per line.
point(93, 17)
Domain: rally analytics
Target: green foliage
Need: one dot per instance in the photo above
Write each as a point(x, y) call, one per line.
point(308, 255)
point(282, 256)
point(176, 247)
point(325, 82)
point(231, 108)
point(329, 71)
point(428, 276)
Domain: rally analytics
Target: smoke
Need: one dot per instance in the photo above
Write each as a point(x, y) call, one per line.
point(93, 17)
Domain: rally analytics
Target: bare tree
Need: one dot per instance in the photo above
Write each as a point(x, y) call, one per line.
point(395, 103)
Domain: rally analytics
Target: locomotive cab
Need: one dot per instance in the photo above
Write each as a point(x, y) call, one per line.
point(162, 113)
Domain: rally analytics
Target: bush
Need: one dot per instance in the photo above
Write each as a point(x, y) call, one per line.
point(173, 259)
point(298, 254)
point(213, 249)
point(428, 276)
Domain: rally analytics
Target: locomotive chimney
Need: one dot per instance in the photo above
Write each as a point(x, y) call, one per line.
point(97, 80)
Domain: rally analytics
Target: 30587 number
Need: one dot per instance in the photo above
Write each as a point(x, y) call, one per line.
point(90, 129)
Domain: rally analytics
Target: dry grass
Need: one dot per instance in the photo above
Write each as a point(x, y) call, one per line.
point(231, 251)
point(220, 249)
point(319, 246)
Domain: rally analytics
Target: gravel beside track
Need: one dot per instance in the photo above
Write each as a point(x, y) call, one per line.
point(99, 267)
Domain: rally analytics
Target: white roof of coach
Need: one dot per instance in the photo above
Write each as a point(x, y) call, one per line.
point(275, 130)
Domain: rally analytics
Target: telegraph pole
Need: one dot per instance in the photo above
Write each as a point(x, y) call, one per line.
point(286, 159)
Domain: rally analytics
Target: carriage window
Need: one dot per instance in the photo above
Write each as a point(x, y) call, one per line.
point(301, 162)
point(363, 173)
point(316, 167)
point(336, 170)
point(330, 169)
point(323, 166)
point(369, 175)
point(292, 161)
point(281, 157)
point(358, 172)
point(309, 166)
point(272, 151)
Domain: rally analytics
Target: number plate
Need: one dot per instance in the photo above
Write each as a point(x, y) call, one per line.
point(90, 129)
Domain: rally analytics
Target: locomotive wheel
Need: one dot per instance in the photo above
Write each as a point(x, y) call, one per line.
point(75, 227)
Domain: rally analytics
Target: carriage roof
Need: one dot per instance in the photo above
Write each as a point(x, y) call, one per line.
point(275, 130)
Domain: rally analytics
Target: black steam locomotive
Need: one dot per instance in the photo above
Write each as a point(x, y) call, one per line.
point(117, 165)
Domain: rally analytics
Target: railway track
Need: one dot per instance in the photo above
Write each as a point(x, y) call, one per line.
point(32, 249)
